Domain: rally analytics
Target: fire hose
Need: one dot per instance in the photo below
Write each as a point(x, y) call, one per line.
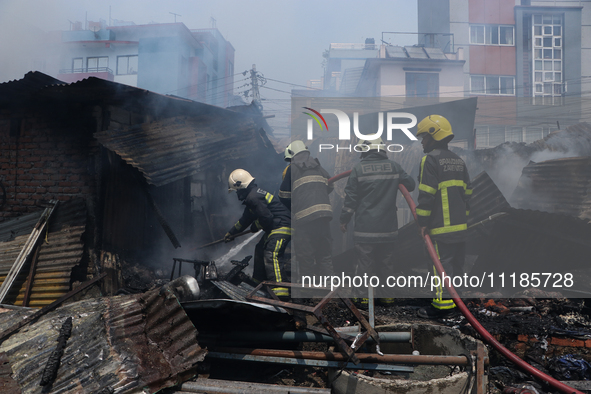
point(488, 338)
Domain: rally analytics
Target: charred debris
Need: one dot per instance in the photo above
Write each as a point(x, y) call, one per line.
point(103, 183)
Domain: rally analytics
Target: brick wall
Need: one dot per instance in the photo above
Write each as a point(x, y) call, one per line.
point(43, 158)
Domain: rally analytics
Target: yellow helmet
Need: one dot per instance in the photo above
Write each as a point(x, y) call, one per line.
point(376, 144)
point(436, 126)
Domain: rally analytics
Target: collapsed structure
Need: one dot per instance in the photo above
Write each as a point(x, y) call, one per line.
point(127, 176)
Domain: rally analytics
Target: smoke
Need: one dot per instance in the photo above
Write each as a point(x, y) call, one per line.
point(505, 163)
point(506, 170)
point(545, 155)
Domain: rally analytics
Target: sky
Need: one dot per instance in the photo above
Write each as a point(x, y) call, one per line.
point(285, 39)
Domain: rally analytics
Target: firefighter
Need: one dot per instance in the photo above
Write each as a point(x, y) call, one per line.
point(370, 194)
point(444, 194)
point(311, 211)
point(285, 187)
point(263, 211)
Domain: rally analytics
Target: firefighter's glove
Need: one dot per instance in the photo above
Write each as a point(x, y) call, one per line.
point(228, 237)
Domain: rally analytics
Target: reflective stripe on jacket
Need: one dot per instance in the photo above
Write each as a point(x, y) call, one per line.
point(309, 189)
point(444, 195)
point(285, 188)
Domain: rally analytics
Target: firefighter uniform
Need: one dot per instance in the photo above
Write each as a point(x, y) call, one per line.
point(311, 214)
point(285, 188)
point(264, 211)
point(443, 204)
point(370, 195)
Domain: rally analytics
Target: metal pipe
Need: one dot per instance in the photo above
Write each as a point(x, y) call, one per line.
point(310, 363)
point(300, 336)
point(233, 387)
point(367, 357)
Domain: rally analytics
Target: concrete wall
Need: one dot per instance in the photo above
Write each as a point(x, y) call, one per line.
point(393, 78)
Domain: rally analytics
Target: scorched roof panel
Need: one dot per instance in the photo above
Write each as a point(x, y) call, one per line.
point(136, 343)
point(557, 186)
point(172, 149)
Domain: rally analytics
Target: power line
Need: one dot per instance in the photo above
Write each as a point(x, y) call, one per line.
point(293, 84)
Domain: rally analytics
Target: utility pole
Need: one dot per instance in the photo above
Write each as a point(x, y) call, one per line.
point(256, 97)
point(175, 15)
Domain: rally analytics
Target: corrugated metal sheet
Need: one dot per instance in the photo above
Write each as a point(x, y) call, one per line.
point(486, 200)
point(21, 225)
point(39, 88)
point(61, 250)
point(557, 186)
point(25, 88)
point(174, 148)
point(136, 343)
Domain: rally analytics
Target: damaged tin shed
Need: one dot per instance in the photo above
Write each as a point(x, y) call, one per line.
point(133, 343)
point(145, 167)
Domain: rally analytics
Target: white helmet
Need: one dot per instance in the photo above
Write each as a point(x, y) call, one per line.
point(239, 179)
point(293, 149)
point(376, 144)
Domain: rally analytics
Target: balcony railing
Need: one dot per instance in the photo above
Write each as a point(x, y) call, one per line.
point(86, 70)
point(354, 46)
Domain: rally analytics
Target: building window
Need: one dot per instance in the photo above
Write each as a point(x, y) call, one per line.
point(127, 65)
point(97, 64)
point(492, 84)
point(514, 134)
point(547, 64)
point(492, 34)
point(77, 65)
point(422, 85)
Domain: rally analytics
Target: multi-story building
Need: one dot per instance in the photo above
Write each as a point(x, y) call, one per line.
point(164, 58)
point(527, 61)
point(412, 72)
point(344, 63)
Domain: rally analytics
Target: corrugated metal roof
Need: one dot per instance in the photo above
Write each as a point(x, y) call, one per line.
point(39, 88)
point(486, 200)
point(136, 343)
point(25, 88)
point(174, 148)
point(61, 250)
point(557, 186)
point(21, 225)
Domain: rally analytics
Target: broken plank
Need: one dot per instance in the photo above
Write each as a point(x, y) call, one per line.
point(26, 251)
